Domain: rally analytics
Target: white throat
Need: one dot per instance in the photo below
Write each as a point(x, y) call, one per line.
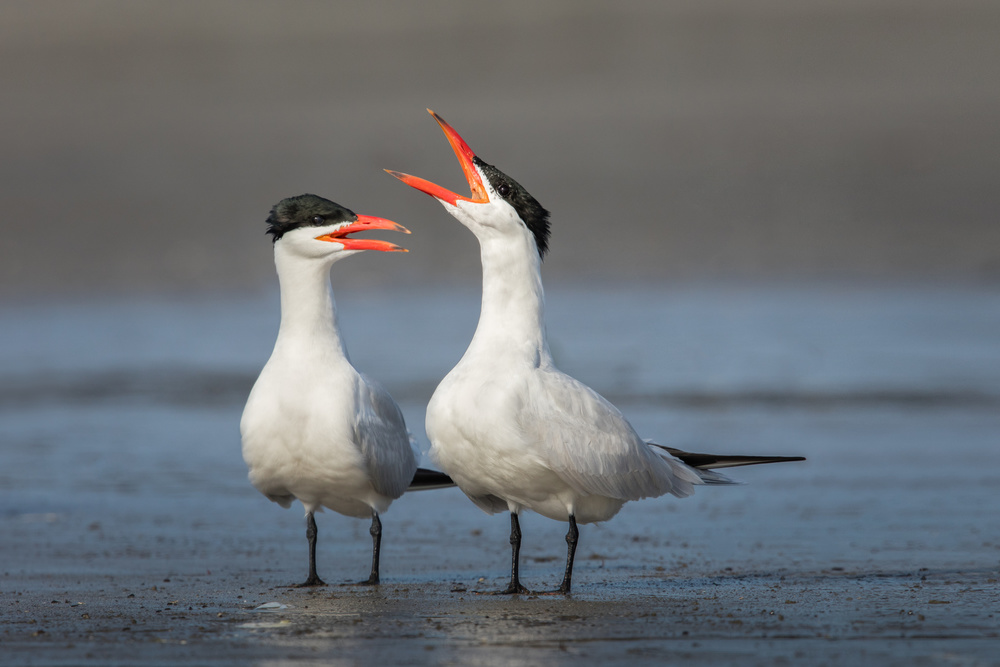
point(512, 318)
point(308, 311)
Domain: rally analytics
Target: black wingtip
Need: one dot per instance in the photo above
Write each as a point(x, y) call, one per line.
point(425, 480)
point(713, 461)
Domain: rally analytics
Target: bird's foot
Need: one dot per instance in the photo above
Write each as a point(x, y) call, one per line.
point(562, 590)
point(309, 583)
point(370, 581)
point(513, 589)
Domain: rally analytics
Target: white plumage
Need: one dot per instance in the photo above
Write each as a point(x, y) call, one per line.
point(315, 429)
point(512, 430)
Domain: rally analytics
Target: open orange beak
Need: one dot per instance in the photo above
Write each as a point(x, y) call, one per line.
point(465, 158)
point(365, 223)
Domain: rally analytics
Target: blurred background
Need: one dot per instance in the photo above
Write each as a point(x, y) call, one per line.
point(776, 230)
point(144, 143)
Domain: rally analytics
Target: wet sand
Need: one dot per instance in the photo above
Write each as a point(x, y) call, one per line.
point(130, 533)
point(677, 144)
point(765, 585)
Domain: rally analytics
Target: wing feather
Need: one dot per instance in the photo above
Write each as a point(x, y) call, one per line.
point(381, 433)
point(590, 444)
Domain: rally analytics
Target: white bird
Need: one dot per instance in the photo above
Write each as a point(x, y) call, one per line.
point(513, 431)
point(315, 429)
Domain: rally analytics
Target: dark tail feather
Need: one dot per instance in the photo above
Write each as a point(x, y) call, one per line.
point(712, 461)
point(425, 480)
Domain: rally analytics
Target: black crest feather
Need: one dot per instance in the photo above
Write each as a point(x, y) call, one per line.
point(305, 211)
point(533, 214)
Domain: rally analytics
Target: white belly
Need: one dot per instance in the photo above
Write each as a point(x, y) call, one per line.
point(475, 438)
point(299, 446)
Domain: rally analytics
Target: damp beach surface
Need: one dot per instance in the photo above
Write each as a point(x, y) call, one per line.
point(676, 144)
point(130, 533)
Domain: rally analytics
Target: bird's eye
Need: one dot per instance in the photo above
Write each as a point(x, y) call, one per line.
point(504, 189)
point(319, 220)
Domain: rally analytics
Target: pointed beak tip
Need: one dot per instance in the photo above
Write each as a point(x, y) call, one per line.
point(466, 158)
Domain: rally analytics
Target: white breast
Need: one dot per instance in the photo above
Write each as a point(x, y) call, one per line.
point(303, 438)
point(535, 438)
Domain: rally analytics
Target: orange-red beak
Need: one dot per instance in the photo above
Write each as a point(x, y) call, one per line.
point(465, 156)
point(366, 223)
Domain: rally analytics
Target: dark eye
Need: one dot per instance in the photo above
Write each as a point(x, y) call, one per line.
point(504, 189)
point(319, 220)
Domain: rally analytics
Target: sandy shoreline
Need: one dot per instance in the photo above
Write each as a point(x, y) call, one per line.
point(129, 532)
point(764, 614)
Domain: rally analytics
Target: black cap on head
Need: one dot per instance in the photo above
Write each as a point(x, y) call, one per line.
point(305, 211)
point(533, 214)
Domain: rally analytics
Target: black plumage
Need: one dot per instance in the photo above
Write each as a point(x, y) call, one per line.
point(305, 211)
point(533, 214)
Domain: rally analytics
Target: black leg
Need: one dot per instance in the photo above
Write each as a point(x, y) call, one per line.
point(571, 539)
point(376, 533)
point(313, 579)
point(515, 587)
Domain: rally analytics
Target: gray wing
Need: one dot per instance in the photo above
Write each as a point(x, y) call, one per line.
point(385, 443)
point(593, 448)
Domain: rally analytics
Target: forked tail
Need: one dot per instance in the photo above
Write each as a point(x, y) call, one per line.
point(703, 464)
